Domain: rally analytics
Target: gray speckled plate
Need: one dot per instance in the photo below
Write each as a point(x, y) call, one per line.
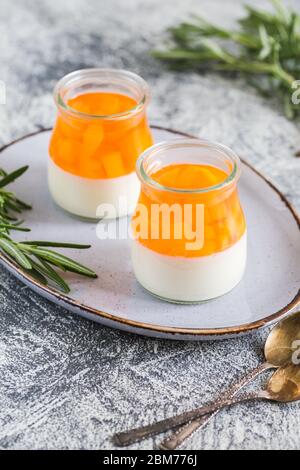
point(269, 290)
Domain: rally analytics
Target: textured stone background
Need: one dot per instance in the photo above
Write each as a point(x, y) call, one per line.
point(66, 382)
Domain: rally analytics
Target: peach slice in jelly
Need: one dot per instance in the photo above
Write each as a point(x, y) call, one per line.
point(133, 143)
point(92, 139)
point(70, 129)
point(224, 222)
point(104, 104)
point(67, 151)
point(94, 147)
point(113, 164)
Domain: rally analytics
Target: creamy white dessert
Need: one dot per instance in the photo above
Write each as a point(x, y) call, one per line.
point(100, 130)
point(93, 198)
point(189, 279)
point(190, 240)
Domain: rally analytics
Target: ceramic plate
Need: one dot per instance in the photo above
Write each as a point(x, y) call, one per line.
point(269, 290)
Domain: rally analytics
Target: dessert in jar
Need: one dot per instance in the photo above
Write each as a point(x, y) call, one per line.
point(100, 130)
point(189, 240)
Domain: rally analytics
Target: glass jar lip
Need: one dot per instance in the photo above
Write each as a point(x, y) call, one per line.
point(96, 72)
point(233, 176)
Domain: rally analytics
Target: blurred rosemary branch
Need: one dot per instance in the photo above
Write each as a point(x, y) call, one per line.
point(33, 257)
point(266, 48)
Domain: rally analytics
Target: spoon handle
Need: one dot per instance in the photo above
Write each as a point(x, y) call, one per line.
point(178, 437)
point(135, 435)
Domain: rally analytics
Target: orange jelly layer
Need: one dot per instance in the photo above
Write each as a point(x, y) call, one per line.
point(224, 222)
point(104, 147)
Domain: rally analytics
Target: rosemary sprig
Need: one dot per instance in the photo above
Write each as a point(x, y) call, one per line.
point(33, 257)
point(9, 203)
point(267, 46)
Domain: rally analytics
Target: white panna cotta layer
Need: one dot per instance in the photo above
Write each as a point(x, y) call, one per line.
point(82, 196)
point(180, 279)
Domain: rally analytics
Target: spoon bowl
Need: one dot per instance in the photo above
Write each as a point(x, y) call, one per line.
point(284, 385)
point(280, 344)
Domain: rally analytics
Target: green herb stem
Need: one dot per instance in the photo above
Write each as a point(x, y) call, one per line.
point(267, 45)
point(33, 257)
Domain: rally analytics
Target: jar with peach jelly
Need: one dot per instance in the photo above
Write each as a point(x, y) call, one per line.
point(189, 241)
point(100, 131)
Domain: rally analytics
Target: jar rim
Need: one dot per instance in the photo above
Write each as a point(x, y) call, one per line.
point(129, 77)
point(232, 177)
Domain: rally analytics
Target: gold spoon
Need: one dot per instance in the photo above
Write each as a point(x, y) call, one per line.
point(278, 352)
point(282, 387)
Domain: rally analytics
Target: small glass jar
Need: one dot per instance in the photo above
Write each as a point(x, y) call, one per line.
point(100, 130)
point(189, 232)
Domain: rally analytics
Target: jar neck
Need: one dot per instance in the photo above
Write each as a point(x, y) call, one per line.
point(189, 151)
point(99, 81)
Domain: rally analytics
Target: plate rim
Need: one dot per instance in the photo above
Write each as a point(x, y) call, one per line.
point(146, 328)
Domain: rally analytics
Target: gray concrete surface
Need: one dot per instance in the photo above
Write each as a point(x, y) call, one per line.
point(66, 383)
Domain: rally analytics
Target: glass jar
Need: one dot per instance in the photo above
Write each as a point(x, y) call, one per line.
point(189, 232)
point(100, 130)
